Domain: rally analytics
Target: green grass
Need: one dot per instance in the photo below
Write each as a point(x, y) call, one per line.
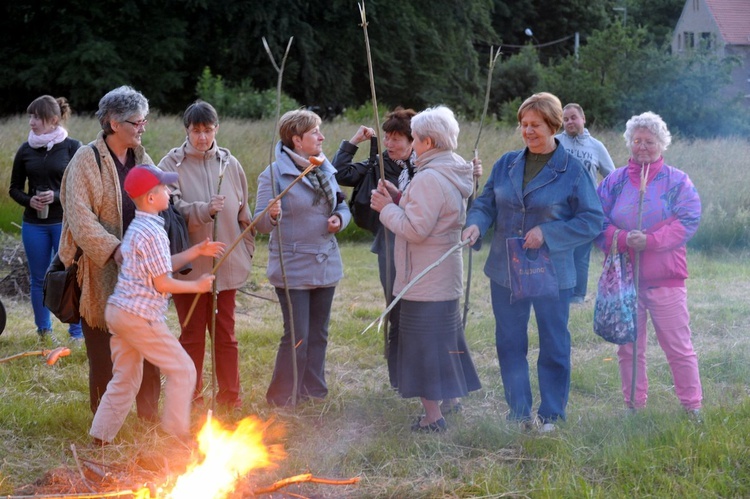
point(362, 428)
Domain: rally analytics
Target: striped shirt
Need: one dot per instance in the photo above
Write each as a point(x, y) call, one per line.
point(145, 254)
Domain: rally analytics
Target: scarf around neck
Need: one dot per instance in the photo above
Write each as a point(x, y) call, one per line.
point(318, 179)
point(47, 140)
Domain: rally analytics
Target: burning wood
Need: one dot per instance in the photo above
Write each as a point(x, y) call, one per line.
point(227, 456)
point(307, 477)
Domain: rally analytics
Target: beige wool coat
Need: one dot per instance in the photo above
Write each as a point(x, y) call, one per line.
point(92, 219)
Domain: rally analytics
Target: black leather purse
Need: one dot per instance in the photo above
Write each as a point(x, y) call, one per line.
point(62, 294)
point(364, 216)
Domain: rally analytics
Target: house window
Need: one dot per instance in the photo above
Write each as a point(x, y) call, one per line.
point(696, 5)
point(679, 41)
point(689, 39)
point(706, 40)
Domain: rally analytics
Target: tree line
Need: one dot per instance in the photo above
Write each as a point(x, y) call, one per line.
point(423, 53)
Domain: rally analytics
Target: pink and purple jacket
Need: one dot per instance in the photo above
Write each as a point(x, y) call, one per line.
point(671, 215)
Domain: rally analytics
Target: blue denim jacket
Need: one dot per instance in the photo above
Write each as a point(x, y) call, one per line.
point(561, 200)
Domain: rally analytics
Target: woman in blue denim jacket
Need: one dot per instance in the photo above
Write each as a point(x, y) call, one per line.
point(541, 194)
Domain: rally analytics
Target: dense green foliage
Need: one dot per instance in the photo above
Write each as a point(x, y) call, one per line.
point(175, 51)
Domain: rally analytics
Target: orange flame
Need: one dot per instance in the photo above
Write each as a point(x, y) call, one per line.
point(228, 456)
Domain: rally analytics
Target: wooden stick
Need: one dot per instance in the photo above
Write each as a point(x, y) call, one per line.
point(214, 294)
point(306, 477)
point(279, 236)
point(386, 235)
point(415, 280)
point(636, 269)
point(314, 163)
point(493, 59)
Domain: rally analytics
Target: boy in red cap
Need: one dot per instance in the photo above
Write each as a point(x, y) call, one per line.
point(135, 311)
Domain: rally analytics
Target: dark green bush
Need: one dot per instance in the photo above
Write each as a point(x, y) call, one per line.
point(241, 100)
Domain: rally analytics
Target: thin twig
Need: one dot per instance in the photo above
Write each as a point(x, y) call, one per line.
point(254, 295)
point(411, 283)
point(490, 70)
point(78, 465)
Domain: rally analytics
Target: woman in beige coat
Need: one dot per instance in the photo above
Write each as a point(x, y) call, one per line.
point(95, 217)
point(433, 359)
point(212, 212)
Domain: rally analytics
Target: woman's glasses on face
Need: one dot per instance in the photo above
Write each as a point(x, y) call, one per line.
point(648, 143)
point(202, 131)
point(137, 124)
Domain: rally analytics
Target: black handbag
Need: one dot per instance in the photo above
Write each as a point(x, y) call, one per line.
point(364, 216)
point(62, 294)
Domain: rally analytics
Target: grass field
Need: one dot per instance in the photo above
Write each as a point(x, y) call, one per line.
point(362, 428)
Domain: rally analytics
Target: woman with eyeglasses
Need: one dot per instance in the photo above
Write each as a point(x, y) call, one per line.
point(96, 213)
point(670, 217)
point(211, 195)
point(38, 169)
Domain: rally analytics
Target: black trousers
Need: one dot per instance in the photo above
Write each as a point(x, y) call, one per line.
point(100, 372)
point(312, 310)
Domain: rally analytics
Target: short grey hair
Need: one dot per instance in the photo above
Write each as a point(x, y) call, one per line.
point(439, 124)
point(651, 122)
point(119, 105)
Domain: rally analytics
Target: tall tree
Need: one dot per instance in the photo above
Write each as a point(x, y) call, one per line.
point(83, 49)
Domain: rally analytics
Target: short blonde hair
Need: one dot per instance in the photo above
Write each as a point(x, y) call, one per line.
point(547, 105)
point(296, 123)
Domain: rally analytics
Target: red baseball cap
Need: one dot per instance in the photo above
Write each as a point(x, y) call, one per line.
point(143, 178)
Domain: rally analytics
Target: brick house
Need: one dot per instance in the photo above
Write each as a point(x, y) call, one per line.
point(724, 27)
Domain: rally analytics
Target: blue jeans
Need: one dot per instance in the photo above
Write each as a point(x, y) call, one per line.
point(40, 243)
point(512, 343)
point(581, 257)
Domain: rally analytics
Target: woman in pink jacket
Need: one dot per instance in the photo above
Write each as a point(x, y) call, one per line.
point(670, 217)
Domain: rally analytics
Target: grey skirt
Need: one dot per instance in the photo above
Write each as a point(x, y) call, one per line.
point(433, 357)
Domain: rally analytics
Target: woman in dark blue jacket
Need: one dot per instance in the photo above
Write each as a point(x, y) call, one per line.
point(543, 195)
point(35, 184)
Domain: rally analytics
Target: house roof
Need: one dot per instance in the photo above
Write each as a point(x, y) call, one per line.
point(733, 19)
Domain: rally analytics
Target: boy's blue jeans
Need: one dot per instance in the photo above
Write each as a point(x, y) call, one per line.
point(40, 242)
point(512, 343)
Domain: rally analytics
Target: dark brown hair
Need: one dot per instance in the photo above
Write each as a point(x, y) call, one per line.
point(200, 113)
point(399, 121)
point(47, 108)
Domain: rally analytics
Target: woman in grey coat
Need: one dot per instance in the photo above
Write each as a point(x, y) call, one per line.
point(313, 210)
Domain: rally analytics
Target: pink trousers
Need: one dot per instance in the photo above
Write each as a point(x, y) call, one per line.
point(671, 320)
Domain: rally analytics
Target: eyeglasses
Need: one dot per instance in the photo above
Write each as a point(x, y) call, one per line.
point(137, 124)
point(647, 143)
point(199, 132)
